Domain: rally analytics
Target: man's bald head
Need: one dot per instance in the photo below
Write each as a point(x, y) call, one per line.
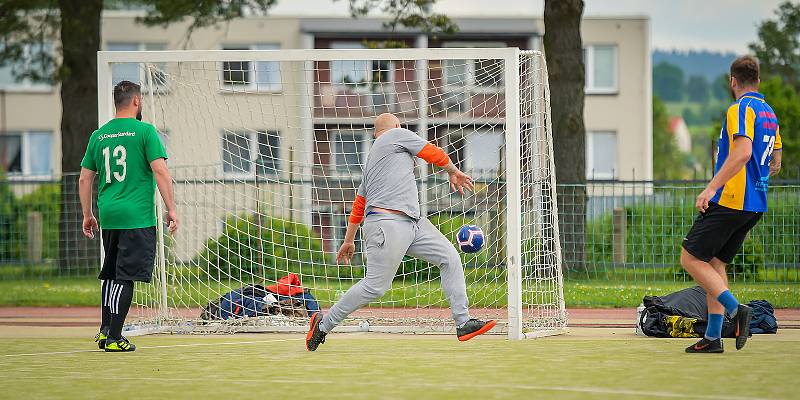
point(384, 122)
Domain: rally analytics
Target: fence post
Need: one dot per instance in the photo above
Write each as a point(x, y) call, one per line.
point(619, 223)
point(35, 232)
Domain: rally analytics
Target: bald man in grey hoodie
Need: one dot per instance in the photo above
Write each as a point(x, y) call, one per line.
point(393, 228)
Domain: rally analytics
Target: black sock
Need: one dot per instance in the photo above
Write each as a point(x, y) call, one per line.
point(120, 302)
point(105, 322)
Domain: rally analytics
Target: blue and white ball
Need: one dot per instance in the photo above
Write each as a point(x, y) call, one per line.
point(470, 238)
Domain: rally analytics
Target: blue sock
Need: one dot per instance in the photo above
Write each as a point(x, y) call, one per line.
point(728, 301)
point(714, 328)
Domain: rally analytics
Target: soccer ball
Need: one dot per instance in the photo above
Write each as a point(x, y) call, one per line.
point(470, 238)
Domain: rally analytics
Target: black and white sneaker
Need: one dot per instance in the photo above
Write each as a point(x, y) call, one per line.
point(706, 346)
point(742, 320)
point(315, 335)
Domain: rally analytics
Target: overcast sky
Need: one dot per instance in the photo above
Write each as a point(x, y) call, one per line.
point(723, 25)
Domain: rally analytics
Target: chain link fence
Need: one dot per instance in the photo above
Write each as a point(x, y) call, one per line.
point(40, 230)
point(614, 233)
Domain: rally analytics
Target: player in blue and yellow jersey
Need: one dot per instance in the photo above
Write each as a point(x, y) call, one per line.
point(749, 152)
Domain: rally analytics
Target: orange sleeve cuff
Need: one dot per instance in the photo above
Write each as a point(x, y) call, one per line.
point(357, 213)
point(434, 155)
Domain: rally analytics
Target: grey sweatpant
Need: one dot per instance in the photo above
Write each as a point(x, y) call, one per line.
point(388, 238)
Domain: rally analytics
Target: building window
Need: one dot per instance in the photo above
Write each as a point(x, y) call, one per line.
point(359, 73)
point(483, 154)
point(350, 150)
point(136, 72)
point(372, 79)
point(259, 76)
point(464, 78)
point(601, 69)
point(28, 153)
point(601, 155)
point(250, 154)
point(28, 62)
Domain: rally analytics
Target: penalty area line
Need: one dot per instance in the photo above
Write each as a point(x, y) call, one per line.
point(166, 346)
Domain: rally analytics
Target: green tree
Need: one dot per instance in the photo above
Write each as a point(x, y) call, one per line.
point(668, 161)
point(668, 82)
point(566, 73)
point(778, 45)
point(721, 88)
point(698, 89)
point(786, 104)
point(29, 30)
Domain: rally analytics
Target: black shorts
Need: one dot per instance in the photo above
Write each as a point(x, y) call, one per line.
point(130, 254)
point(719, 232)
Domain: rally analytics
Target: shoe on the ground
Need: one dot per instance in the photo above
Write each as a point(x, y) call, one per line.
point(101, 338)
point(121, 345)
point(315, 335)
point(474, 327)
point(706, 346)
point(742, 320)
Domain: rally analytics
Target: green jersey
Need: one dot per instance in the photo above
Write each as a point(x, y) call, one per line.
point(120, 152)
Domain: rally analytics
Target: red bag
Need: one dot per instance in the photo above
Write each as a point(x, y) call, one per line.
point(289, 285)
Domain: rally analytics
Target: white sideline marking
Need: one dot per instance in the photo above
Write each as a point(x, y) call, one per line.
point(151, 347)
point(590, 390)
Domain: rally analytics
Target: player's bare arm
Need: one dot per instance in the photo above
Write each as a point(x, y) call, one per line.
point(742, 150)
point(85, 193)
point(775, 162)
point(164, 183)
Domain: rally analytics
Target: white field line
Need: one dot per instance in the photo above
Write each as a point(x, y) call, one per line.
point(436, 385)
point(152, 347)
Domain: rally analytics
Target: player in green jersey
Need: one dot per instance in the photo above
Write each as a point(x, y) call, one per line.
point(130, 160)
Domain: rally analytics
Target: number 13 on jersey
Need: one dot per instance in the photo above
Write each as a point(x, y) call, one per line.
point(119, 155)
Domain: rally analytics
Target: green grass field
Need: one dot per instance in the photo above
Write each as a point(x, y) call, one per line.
point(589, 293)
point(584, 364)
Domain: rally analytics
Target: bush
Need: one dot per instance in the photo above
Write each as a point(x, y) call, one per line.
point(270, 252)
point(654, 233)
point(7, 220)
point(46, 199)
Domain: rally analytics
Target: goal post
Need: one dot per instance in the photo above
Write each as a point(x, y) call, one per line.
point(266, 150)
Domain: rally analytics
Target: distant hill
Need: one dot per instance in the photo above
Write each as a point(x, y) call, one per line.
point(705, 63)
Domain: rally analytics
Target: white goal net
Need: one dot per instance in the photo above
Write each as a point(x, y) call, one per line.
point(267, 148)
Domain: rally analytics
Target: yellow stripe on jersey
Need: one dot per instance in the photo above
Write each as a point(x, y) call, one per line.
point(733, 193)
point(732, 120)
point(778, 143)
point(749, 122)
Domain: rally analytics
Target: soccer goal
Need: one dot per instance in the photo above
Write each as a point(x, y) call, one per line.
point(267, 147)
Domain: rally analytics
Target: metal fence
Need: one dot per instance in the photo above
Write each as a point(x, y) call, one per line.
point(616, 231)
point(632, 231)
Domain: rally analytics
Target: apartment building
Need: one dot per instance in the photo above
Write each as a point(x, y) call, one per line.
point(254, 134)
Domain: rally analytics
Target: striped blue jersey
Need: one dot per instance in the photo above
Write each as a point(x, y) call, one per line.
point(754, 119)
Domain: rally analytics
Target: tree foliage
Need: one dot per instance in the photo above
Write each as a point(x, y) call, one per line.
point(28, 29)
point(697, 88)
point(405, 13)
point(668, 82)
point(668, 161)
point(720, 88)
point(778, 45)
point(201, 13)
point(786, 104)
